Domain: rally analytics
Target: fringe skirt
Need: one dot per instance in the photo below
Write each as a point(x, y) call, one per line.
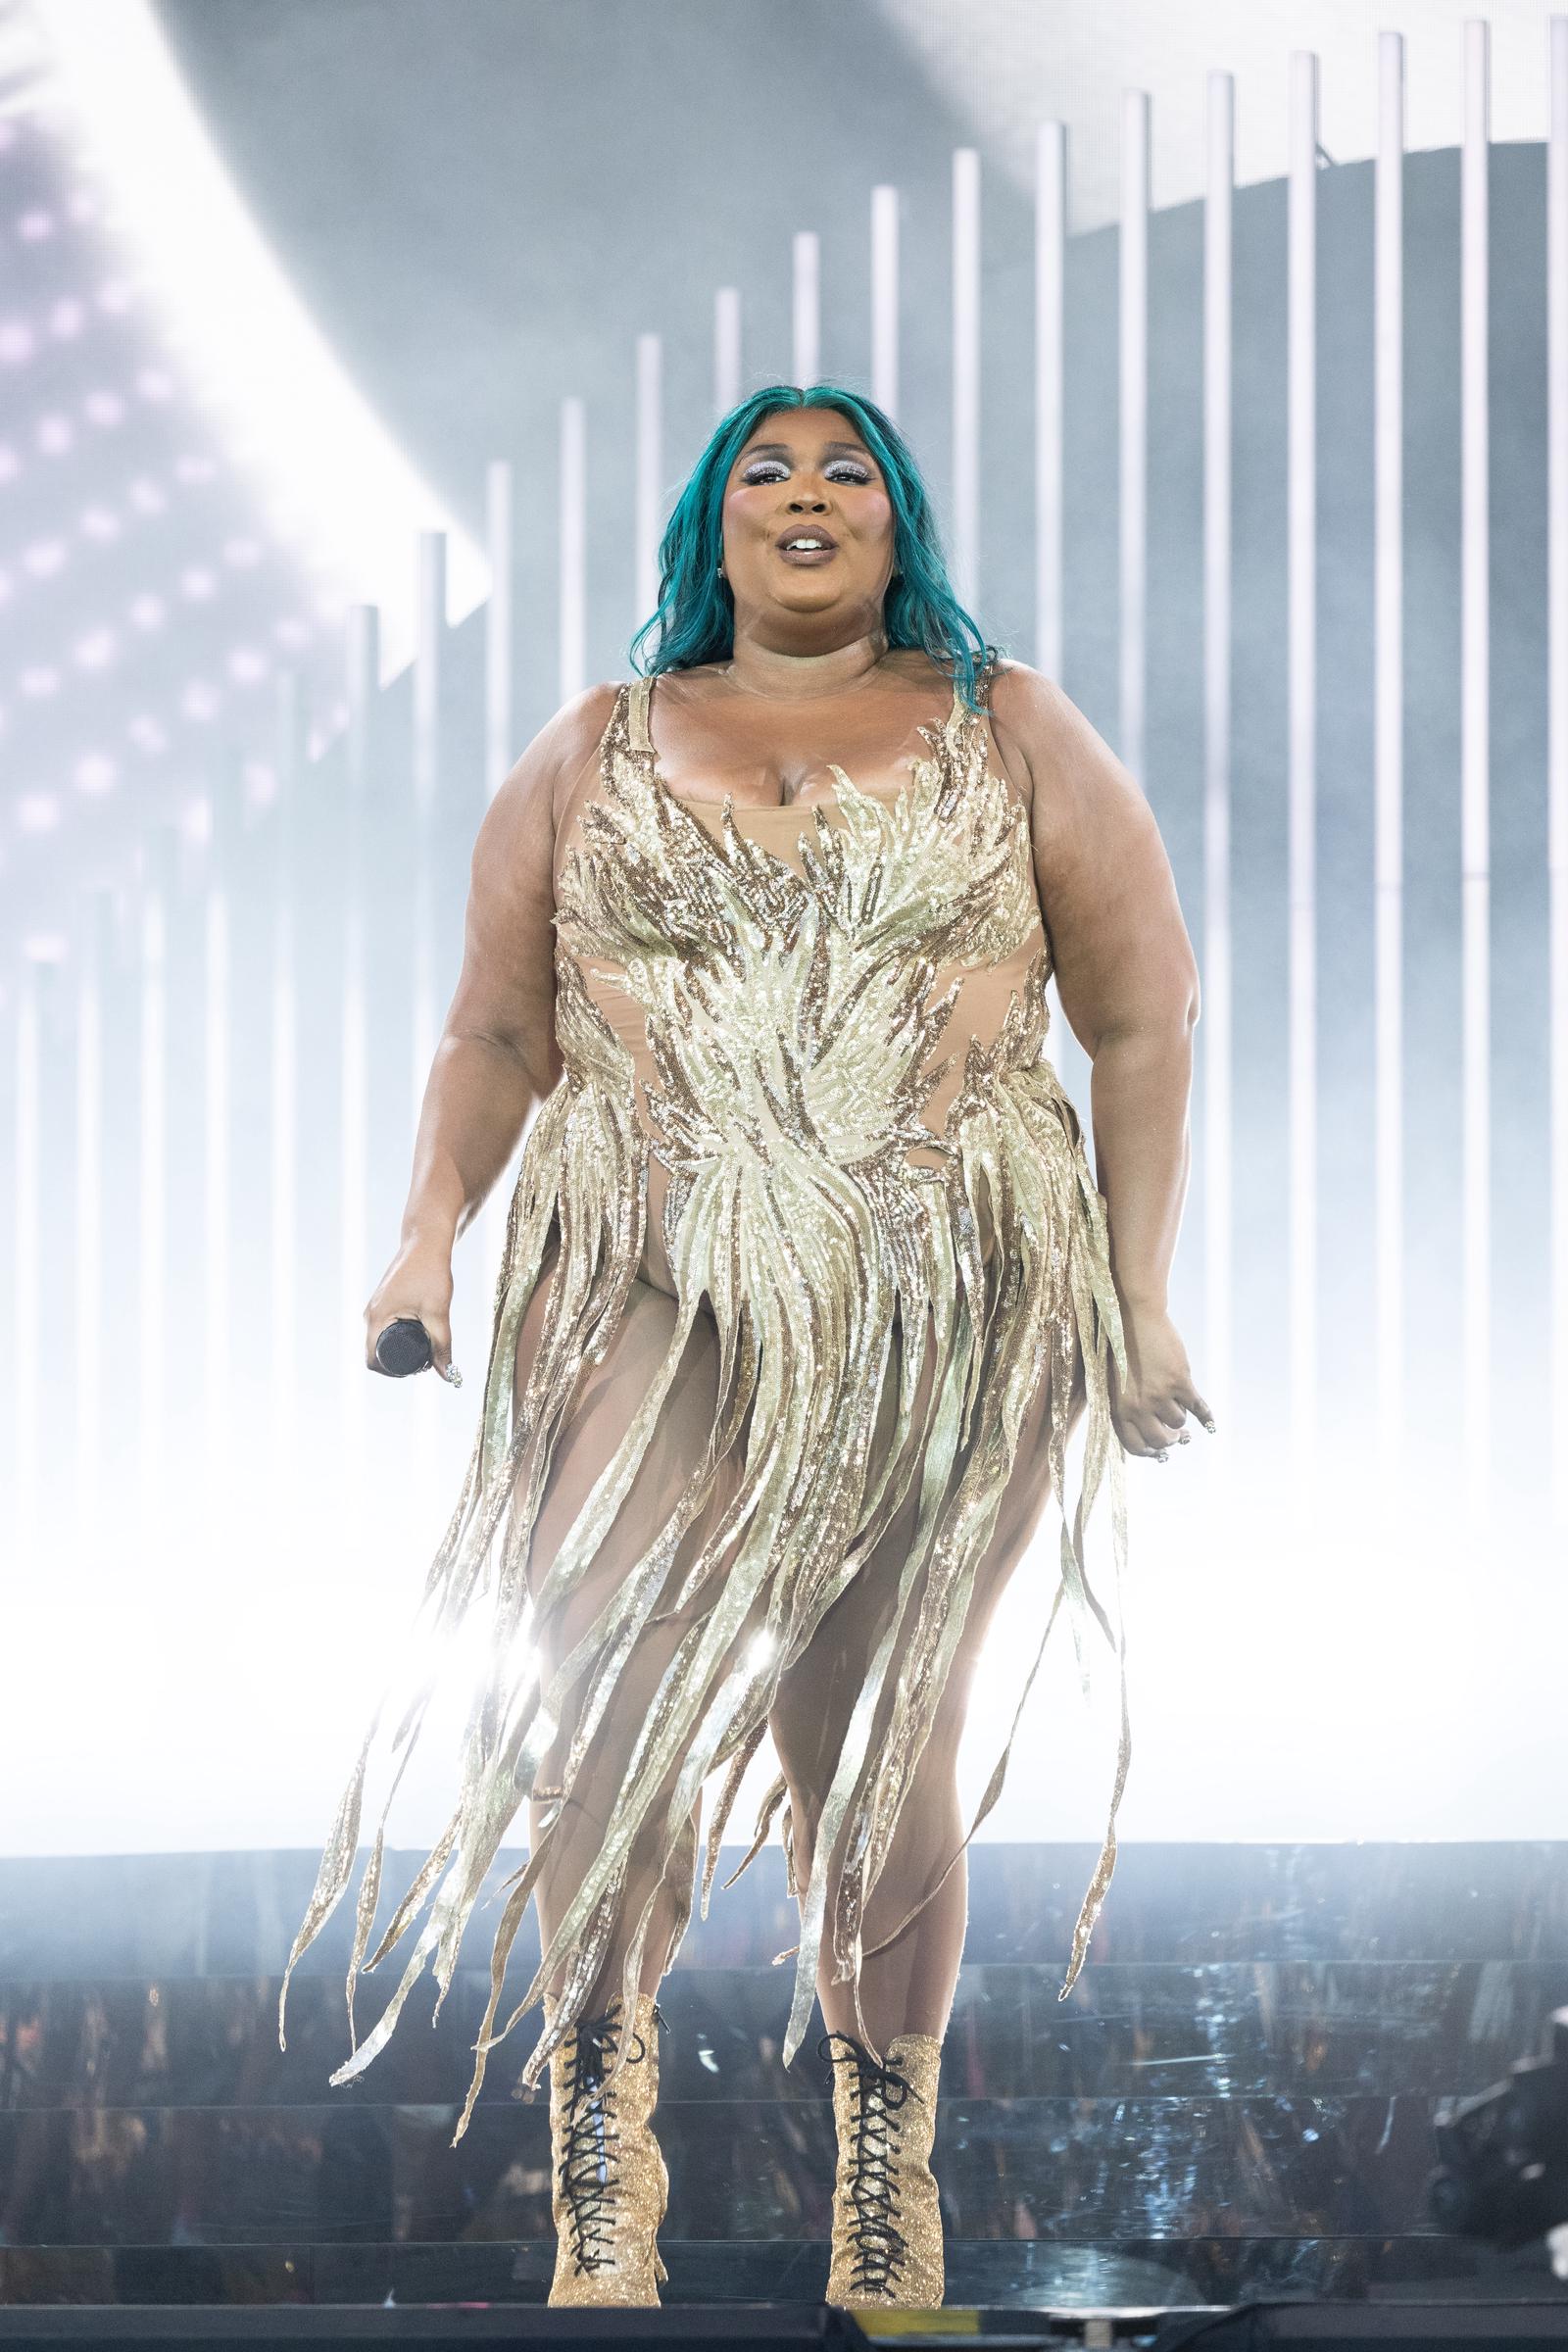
point(807, 1273)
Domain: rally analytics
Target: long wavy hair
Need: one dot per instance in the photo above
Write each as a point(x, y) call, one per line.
point(694, 618)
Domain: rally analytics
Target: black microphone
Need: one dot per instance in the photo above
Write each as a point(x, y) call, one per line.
point(403, 1348)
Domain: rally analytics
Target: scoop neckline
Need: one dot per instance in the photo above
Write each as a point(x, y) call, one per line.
point(647, 751)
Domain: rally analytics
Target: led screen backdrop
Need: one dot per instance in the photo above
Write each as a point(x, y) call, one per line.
point(349, 360)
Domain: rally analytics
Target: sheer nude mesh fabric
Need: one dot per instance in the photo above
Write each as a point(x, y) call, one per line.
point(804, 1275)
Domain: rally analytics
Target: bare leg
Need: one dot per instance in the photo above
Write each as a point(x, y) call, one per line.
point(599, 1417)
point(908, 1987)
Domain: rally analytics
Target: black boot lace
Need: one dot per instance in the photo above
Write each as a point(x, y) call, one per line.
point(879, 2092)
point(589, 2173)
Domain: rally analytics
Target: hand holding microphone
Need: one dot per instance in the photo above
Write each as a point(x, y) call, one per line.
point(407, 1319)
point(404, 1347)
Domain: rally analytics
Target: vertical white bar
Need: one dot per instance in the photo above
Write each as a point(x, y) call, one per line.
point(499, 723)
point(218, 1013)
point(572, 552)
point(650, 444)
point(1557, 743)
point(26, 1337)
point(1301, 633)
point(1133, 375)
point(92, 987)
point(1050, 253)
point(726, 350)
point(885, 298)
point(360, 681)
point(1474, 768)
point(966, 376)
point(1218, 1133)
point(805, 307)
point(152, 1289)
point(1387, 728)
point(1050, 259)
point(429, 634)
point(499, 693)
point(429, 629)
point(284, 1252)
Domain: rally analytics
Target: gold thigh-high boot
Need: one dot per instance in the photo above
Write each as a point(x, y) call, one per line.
point(608, 2181)
point(887, 2224)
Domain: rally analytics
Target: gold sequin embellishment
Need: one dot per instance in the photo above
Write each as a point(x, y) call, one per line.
point(801, 1019)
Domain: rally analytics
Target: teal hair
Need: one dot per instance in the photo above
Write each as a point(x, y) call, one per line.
point(694, 618)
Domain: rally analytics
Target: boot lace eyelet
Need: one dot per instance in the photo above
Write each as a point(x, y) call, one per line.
point(589, 2175)
point(877, 2092)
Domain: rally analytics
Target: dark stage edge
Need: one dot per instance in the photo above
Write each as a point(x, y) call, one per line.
point(742, 2323)
point(1504, 2328)
point(1233, 2112)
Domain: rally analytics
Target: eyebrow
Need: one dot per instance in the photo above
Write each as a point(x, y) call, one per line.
point(781, 448)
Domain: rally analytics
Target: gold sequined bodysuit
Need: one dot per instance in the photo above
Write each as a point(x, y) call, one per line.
point(805, 1075)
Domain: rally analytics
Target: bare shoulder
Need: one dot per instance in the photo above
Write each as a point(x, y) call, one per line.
point(1012, 679)
point(574, 736)
point(1079, 790)
point(506, 988)
point(585, 717)
point(537, 785)
point(1027, 712)
point(1119, 947)
point(1017, 713)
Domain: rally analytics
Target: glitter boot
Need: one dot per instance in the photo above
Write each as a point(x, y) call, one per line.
point(608, 2182)
point(887, 2224)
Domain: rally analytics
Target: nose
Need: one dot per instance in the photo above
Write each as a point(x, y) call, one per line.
point(800, 500)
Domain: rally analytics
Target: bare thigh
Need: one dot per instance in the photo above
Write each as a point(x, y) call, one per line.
point(601, 1411)
point(606, 1399)
point(817, 1693)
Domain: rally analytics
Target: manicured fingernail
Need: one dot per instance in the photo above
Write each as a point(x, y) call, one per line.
point(453, 1376)
point(1186, 1438)
point(1212, 1430)
point(1161, 1457)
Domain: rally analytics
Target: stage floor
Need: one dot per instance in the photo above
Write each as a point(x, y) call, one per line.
point(1235, 2103)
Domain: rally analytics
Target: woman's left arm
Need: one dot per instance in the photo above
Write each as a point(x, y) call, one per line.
point(1128, 982)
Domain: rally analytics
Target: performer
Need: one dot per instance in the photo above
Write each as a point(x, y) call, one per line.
point(806, 1282)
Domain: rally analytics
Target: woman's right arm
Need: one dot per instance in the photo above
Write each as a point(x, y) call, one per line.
point(497, 1055)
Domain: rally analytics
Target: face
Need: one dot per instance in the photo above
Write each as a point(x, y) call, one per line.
point(807, 472)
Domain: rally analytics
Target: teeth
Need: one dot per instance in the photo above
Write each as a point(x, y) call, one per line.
point(806, 543)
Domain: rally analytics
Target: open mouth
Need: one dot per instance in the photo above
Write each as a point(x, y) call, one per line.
point(807, 548)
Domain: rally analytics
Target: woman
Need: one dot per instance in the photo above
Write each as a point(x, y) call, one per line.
point(806, 1281)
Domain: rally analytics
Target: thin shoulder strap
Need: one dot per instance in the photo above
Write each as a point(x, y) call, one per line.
point(637, 715)
point(961, 710)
